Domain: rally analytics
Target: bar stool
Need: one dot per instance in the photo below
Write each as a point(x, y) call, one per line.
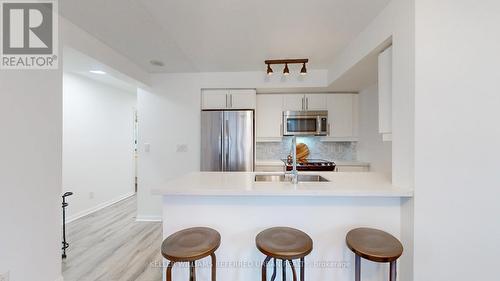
point(189, 245)
point(374, 245)
point(286, 244)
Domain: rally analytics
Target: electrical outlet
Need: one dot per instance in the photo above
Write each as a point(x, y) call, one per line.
point(182, 148)
point(4, 276)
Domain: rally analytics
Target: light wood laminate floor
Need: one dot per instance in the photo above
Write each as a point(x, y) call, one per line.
point(110, 245)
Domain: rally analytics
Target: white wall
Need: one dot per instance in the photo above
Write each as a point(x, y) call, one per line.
point(30, 173)
point(395, 22)
point(370, 147)
point(169, 115)
point(457, 137)
point(98, 126)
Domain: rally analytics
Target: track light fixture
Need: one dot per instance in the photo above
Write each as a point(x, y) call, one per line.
point(303, 70)
point(286, 70)
point(269, 69)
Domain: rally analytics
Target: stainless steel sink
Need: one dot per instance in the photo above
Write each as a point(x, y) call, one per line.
point(285, 178)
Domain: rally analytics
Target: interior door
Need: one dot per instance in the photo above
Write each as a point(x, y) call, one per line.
point(211, 140)
point(239, 140)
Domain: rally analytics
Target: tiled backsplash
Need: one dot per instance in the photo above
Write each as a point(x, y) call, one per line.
point(342, 151)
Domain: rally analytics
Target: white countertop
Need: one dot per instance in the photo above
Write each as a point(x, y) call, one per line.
point(341, 184)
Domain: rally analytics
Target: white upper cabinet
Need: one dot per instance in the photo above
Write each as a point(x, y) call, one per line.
point(343, 116)
point(316, 102)
point(293, 102)
point(242, 99)
point(305, 102)
point(214, 99)
point(385, 93)
point(269, 116)
point(228, 99)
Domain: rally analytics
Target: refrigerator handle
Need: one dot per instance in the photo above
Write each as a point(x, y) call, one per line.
point(221, 148)
point(226, 145)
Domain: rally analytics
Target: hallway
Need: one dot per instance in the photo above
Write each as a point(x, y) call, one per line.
point(110, 245)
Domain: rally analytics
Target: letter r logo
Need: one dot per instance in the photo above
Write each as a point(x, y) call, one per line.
point(27, 28)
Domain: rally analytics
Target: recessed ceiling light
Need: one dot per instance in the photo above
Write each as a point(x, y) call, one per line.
point(97, 72)
point(156, 63)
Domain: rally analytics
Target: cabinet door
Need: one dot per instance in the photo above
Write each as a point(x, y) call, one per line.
point(385, 91)
point(316, 102)
point(214, 99)
point(351, 169)
point(341, 115)
point(293, 102)
point(269, 115)
point(242, 99)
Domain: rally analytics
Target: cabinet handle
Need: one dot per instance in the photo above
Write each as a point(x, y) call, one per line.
point(302, 103)
point(231, 100)
point(307, 103)
point(227, 104)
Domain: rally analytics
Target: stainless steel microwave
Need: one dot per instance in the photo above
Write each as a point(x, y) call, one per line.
point(305, 123)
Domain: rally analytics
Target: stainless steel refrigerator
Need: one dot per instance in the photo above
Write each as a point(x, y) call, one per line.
point(227, 140)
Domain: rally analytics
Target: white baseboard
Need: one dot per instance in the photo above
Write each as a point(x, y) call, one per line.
point(99, 207)
point(60, 278)
point(148, 218)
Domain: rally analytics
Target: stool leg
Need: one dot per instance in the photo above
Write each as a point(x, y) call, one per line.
point(293, 270)
point(264, 268)
point(357, 268)
point(169, 270)
point(192, 267)
point(302, 269)
point(392, 266)
point(214, 266)
point(274, 271)
point(283, 269)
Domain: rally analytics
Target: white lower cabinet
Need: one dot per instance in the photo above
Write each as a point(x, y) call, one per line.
point(351, 168)
point(270, 168)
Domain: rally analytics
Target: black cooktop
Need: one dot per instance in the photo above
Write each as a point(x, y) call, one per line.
point(311, 165)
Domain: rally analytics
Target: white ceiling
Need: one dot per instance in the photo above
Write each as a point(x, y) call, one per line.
point(223, 35)
point(76, 62)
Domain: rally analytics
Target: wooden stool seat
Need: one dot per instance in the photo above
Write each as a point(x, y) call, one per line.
point(190, 244)
point(284, 243)
point(374, 245)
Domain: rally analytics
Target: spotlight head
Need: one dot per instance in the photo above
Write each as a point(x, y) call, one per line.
point(303, 70)
point(286, 71)
point(269, 70)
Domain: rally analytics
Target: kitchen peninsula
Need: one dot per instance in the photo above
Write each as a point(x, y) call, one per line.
point(239, 207)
